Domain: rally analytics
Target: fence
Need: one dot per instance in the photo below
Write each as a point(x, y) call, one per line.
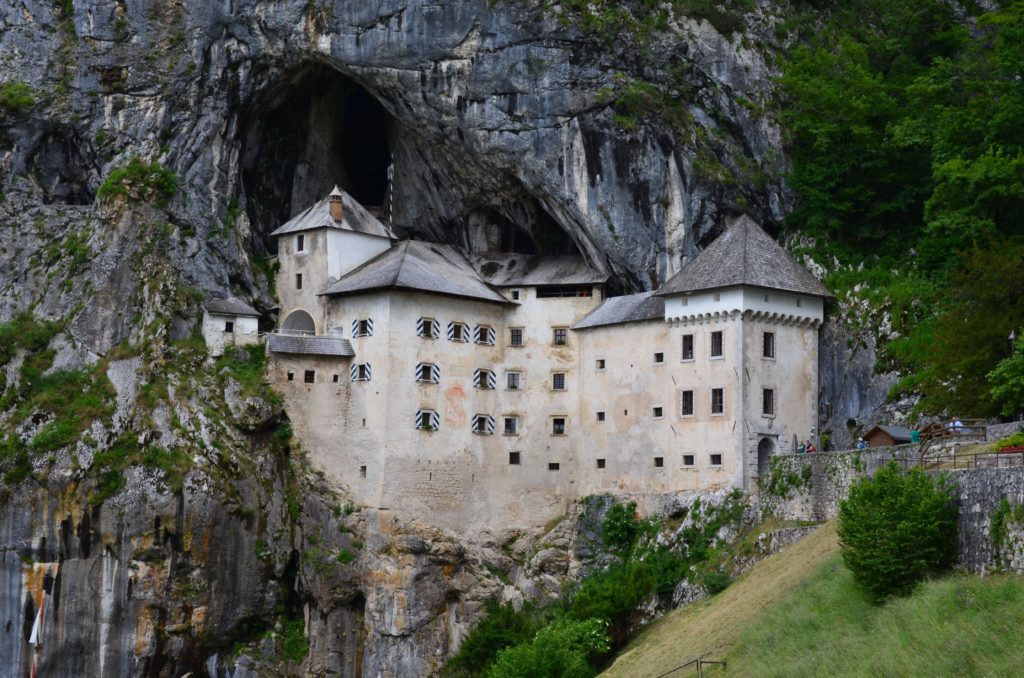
point(699, 662)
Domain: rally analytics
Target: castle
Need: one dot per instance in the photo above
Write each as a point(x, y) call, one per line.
point(482, 391)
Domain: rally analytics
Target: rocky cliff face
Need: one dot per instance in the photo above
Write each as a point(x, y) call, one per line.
point(492, 125)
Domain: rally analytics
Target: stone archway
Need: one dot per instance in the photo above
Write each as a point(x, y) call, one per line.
point(299, 322)
point(765, 448)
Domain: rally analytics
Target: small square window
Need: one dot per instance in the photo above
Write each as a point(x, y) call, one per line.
point(688, 460)
point(600, 463)
point(298, 281)
point(458, 332)
point(291, 376)
point(799, 302)
point(716, 460)
point(515, 336)
point(558, 381)
point(511, 426)
point(558, 426)
point(560, 336)
point(658, 412)
point(335, 378)
point(513, 458)
point(687, 347)
point(717, 401)
point(309, 376)
point(362, 471)
point(427, 328)
point(687, 404)
point(553, 466)
point(600, 363)
point(716, 344)
point(600, 416)
point(229, 326)
point(718, 297)
point(659, 462)
point(362, 328)
point(659, 358)
point(768, 345)
point(767, 298)
point(515, 295)
point(300, 242)
point(513, 380)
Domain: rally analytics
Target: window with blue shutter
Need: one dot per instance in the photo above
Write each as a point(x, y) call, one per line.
point(361, 372)
point(485, 379)
point(428, 373)
point(362, 328)
point(458, 332)
point(484, 334)
point(428, 328)
point(483, 424)
point(427, 420)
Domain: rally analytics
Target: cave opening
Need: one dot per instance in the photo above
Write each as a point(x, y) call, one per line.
point(312, 129)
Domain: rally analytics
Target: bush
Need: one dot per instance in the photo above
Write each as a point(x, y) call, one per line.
point(140, 180)
point(564, 648)
point(620, 527)
point(16, 97)
point(897, 528)
point(502, 627)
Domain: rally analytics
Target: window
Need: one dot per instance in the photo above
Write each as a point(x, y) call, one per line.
point(600, 364)
point(658, 412)
point(716, 344)
point(600, 463)
point(335, 378)
point(298, 281)
point(558, 381)
point(362, 328)
point(558, 426)
point(769, 345)
point(458, 332)
point(483, 424)
point(659, 462)
point(798, 301)
point(600, 415)
point(687, 401)
point(291, 376)
point(718, 297)
point(513, 458)
point(717, 401)
point(659, 358)
point(484, 379)
point(362, 471)
point(484, 335)
point(553, 466)
point(428, 328)
point(427, 420)
point(300, 242)
point(688, 460)
point(564, 291)
point(716, 460)
point(560, 336)
point(309, 376)
point(768, 402)
point(428, 373)
point(511, 426)
point(513, 380)
point(515, 336)
point(515, 295)
point(687, 347)
point(361, 372)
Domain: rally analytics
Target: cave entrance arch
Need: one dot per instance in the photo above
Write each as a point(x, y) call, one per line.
point(764, 454)
point(309, 130)
point(298, 322)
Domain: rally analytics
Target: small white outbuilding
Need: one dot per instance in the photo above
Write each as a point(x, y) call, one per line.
point(229, 322)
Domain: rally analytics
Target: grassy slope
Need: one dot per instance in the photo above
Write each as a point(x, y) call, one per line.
point(798, 614)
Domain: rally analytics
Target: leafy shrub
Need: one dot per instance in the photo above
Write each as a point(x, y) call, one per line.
point(897, 528)
point(563, 648)
point(620, 527)
point(502, 627)
point(16, 97)
point(716, 580)
point(140, 180)
point(294, 644)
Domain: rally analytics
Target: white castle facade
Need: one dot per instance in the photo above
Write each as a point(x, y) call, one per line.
point(487, 391)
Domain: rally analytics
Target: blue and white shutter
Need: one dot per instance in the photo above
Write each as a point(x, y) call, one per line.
point(484, 335)
point(435, 374)
point(355, 372)
point(367, 372)
point(492, 380)
point(485, 379)
point(355, 328)
point(483, 424)
point(435, 420)
point(428, 327)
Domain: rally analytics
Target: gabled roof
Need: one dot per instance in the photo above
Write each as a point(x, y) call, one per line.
point(625, 309)
point(229, 306)
point(744, 255)
point(418, 266)
point(354, 218)
point(897, 433)
point(506, 270)
point(306, 345)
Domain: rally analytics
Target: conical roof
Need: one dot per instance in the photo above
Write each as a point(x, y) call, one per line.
point(744, 255)
point(356, 218)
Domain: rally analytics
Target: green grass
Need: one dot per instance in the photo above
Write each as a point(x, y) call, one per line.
point(140, 180)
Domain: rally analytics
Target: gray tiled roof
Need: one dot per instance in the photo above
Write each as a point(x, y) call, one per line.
point(419, 266)
point(229, 306)
point(505, 270)
point(354, 218)
point(286, 343)
point(626, 309)
point(744, 255)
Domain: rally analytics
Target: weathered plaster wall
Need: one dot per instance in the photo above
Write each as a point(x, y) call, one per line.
point(245, 331)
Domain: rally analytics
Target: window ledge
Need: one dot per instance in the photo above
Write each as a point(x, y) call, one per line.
point(687, 360)
point(716, 357)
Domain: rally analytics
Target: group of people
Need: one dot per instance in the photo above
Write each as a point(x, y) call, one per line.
point(806, 446)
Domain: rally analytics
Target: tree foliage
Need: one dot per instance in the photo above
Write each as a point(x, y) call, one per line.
point(563, 648)
point(897, 528)
point(1007, 381)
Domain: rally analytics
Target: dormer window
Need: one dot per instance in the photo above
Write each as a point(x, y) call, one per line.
point(300, 242)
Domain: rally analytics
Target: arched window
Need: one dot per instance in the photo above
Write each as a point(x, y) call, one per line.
point(299, 322)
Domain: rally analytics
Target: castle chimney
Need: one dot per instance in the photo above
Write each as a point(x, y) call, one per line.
point(337, 210)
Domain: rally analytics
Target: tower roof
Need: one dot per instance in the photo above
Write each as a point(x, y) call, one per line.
point(356, 218)
point(744, 255)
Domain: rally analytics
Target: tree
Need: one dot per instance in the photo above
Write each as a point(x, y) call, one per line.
point(564, 648)
point(897, 528)
point(1007, 381)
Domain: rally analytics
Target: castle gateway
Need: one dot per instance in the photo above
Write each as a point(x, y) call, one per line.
point(489, 390)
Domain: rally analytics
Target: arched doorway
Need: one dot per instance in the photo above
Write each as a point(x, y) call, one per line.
point(764, 453)
point(299, 322)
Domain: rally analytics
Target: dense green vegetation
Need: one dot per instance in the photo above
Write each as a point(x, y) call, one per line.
point(140, 180)
point(957, 626)
point(905, 123)
point(16, 98)
point(896, 528)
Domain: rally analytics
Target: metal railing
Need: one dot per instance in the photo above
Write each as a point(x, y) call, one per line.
point(700, 662)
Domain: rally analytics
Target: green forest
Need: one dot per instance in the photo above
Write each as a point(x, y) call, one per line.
point(905, 126)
